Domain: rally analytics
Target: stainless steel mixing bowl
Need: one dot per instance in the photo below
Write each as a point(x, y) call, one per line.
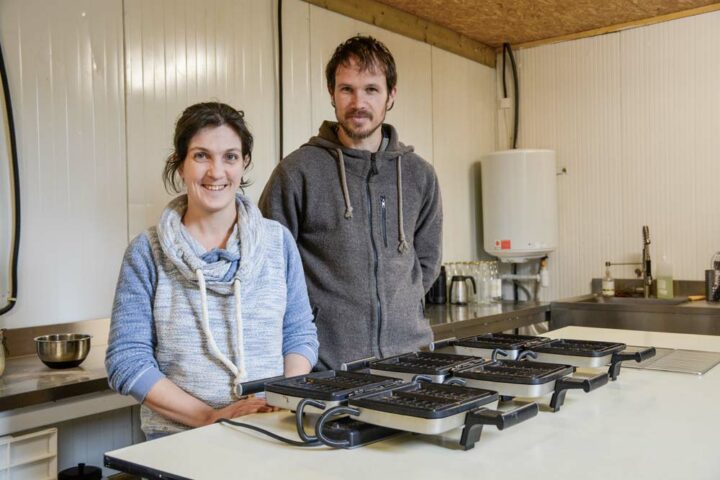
point(63, 350)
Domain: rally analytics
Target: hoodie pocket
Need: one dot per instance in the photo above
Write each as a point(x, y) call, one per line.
point(383, 218)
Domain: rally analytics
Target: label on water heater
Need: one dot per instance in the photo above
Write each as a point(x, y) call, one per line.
point(505, 245)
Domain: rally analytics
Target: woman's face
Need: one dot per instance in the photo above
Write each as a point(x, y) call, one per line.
point(213, 169)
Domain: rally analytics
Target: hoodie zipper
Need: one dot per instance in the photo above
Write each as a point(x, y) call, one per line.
point(383, 215)
point(378, 309)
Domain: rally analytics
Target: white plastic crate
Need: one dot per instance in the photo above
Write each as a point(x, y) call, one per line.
point(29, 457)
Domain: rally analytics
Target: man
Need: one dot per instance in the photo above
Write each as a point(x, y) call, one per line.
point(365, 212)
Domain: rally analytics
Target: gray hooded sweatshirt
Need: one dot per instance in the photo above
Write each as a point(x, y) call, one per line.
point(368, 226)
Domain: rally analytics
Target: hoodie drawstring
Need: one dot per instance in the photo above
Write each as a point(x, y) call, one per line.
point(343, 182)
point(238, 372)
point(403, 245)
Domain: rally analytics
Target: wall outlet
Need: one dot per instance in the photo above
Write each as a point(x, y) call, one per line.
point(505, 103)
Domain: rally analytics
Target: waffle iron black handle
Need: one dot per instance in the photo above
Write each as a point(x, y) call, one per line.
point(447, 342)
point(255, 386)
point(300, 417)
point(519, 415)
point(357, 364)
point(477, 419)
point(619, 357)
point(527, 353)
point(325, 417)
point(420, 378)
point(562, 385)
point(455, 381)
point(498, 352)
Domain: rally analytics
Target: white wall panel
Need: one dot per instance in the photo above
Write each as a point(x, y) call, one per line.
point(298, 93)
point(634, 117)
point(182, 52)
point(64, 62)
point(463, 130)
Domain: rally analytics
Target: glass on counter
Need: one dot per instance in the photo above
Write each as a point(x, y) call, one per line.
point(486, 277)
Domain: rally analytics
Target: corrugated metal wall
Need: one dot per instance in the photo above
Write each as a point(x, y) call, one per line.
point(634, 117)
point(178, 53)
point(64, 62)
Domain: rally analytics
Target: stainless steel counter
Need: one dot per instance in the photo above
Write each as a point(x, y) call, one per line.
point(27, 381)
point(702, 318)
point(463, 321)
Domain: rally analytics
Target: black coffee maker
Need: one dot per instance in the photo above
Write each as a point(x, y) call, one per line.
point(437, 295)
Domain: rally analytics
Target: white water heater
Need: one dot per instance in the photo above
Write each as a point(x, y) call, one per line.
point(519, 203)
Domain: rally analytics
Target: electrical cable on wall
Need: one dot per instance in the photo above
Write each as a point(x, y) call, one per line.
point(281, 133)
point(12, 299)
point(507, 51)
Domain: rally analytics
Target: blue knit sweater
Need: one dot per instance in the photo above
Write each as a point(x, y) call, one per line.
point(207, 320)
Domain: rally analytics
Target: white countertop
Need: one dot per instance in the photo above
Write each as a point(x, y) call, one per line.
point(647, 425)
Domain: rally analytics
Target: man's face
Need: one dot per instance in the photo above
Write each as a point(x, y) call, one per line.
point(361, 100)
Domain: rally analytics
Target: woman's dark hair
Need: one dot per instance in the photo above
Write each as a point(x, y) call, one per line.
point(194, 119)
point(368, 53)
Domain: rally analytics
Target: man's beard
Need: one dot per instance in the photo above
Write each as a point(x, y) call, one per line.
point(359, 134)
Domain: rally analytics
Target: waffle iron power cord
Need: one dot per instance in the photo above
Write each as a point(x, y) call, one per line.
point(296, 443)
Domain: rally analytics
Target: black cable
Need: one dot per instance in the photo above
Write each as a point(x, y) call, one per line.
point(16, 188)
point(503, 71)
point(515, 283)
point(516, 91)
point(268, 433)
point(281, 112)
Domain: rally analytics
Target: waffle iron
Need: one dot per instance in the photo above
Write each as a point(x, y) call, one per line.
point(317, 392)
point(522, 378)
point(484, 345)
point(428, 408)
point(510, 378)
point(585, 353)
point(578, 353)
point(330, 387)
point(361, 408)
point(431, 365)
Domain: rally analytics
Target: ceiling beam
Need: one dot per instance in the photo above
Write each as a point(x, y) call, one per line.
point(621, 26)
point(408, 25)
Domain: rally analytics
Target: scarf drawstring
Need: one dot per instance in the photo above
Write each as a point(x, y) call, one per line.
point(343, 184)
point(238, 372)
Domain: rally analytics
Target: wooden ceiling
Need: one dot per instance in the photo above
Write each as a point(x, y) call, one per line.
point(518, 22)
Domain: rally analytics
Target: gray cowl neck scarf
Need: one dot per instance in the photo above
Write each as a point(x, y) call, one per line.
point(245, 244)
point(211, 270)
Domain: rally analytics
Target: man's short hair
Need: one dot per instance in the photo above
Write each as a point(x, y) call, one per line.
point(368, 53)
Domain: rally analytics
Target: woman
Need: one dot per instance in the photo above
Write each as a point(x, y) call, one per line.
point(214, 295)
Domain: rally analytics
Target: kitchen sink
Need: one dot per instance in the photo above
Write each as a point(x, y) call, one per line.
point(634, 300)
point(676, 315)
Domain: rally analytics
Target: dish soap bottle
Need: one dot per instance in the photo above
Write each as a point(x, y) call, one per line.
point(664, 279)
point(608, 283)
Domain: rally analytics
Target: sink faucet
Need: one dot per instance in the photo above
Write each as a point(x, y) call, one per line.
point(646, 266)
point(645, 270)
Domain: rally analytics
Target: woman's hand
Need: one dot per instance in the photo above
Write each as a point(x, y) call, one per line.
point(174, 403)
point(242, 407)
